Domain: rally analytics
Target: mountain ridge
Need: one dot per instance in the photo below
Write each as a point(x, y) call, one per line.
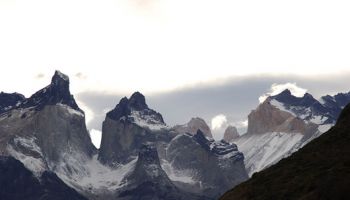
point(319, 170)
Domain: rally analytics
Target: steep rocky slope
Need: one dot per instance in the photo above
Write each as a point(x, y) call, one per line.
point(282, 124)
point(132, 124)
point(320, 170)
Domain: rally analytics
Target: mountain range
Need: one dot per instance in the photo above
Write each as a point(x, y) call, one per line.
point(46, 151)
point(139, 156)
point(283, 124)
point(319, 170)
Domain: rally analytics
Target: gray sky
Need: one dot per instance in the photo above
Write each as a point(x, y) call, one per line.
point(189, 57)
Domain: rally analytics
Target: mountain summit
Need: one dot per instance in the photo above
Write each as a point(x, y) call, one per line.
point(56, 93)
point(136, 110)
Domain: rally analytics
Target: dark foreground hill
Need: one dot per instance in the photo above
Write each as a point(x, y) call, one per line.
point(320, 170)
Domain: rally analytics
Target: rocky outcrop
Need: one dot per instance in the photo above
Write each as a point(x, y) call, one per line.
point(230, 134)
point(47, 132)
point(17, 183)
point(269, 118)
point(193, 125)
point(213, 166)
point(127, 127)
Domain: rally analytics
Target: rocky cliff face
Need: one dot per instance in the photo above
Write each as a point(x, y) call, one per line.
point(193, 125)
point(231, 133)
point(205, 165)
point(47, 131)
point(127, 127)
point(49, 123)
point(140, 156)
point(175, 163)
point(282, 124)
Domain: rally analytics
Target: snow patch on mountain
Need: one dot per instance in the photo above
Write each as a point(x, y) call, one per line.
point(263, 150)
point(93, 175)
point(324, 128)
point(72, 111)
point(24, 149)
point(280, 106)
point(147, 121)
point(184, 176)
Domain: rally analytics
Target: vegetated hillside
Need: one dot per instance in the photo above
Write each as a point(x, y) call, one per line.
point(320, 170)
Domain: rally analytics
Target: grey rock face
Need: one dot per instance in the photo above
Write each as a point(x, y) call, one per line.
point(47, 133)
point(193, 125)
point(47, 129)
point(215, 166)
point(230, 134)
point(127, 127)
point(268, 118)
point(282, 124)
point(136, 103)
point(149, 181)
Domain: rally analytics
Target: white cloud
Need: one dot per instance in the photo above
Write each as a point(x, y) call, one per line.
point(96, 136)
point(241, 124)
point(218, 121)
point(278, 88)
point(157, 45)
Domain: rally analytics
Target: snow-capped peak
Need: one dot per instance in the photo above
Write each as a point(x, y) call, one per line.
point(135, 110)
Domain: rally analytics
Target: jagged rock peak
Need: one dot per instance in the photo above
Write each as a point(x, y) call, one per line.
point(231, 133)
point(59, 76)
point(286, 92)
point(135, 110)
point(138, 101)
point(60, 81)
point(55, 93)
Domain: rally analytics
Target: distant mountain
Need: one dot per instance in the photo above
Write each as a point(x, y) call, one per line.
point(127, 127)
point(319, 170)
point(44, 138)
point(47, 132)
point(230, 134)
point(283, 123)
point(132, 124)
point(193, 125)
point(200, 163)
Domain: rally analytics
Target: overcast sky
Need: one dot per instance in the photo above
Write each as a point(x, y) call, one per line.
point(190, 57)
